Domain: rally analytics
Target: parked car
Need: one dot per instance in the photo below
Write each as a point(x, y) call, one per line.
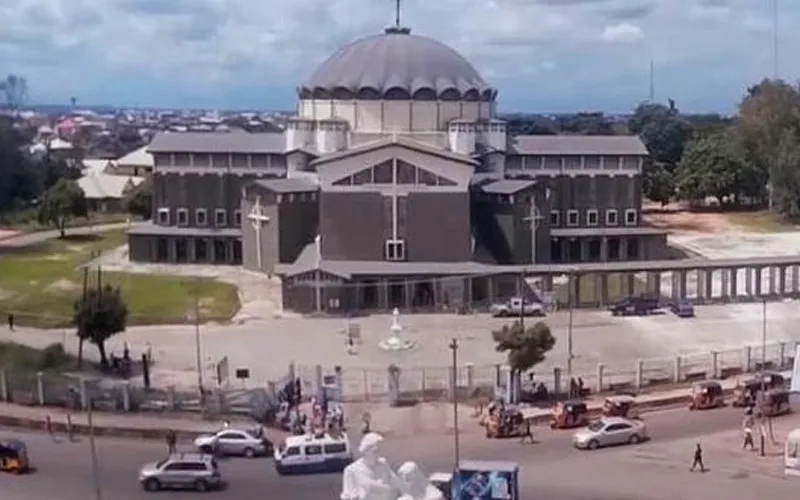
point(517, 306)
point(181, 471)
point(236, 442)
point(683, 308)
point(639, 305)
point(610, 431)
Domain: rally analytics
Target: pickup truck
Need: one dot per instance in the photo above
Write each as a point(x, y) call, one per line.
point(516, 306)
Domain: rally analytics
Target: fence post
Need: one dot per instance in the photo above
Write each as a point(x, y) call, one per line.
point(3, 385)
point(70, 428)
point(40, 388)
point(83, 393)
point(677, 374)
point(714, 364)
point(470, 369)
point(600, 369)
point(639, 382)
point(748, 359)
point(126, 396)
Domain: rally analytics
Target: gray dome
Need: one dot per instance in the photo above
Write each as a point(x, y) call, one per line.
point(398, 66)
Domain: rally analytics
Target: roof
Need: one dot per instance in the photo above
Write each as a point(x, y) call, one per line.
point(139, 157)
point(306, 439)
point(399, 64)
point(572, 232)
point(556, 145)
point(148, 228)
point(287, 185)
point(217, 142)
point(399, 140)
point(506, 186)
point(99, 186)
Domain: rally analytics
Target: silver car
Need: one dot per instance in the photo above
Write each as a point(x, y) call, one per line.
point(181, 471)
point(236, 442)
point(610, 431)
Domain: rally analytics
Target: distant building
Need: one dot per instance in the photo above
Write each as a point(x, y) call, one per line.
point(394, 186)
point(136, 163)
point(105, 190)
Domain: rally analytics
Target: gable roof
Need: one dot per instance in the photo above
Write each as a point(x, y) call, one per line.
point(217, 142)
point(139, 157)
point(506, 186)
point(567, 145)
point(98, 186)
point(401, 141)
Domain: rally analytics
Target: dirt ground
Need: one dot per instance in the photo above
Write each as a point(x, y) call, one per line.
point(676, 217)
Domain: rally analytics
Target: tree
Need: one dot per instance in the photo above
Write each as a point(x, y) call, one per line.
point(527, 348)
point(658, 182)
point(713, 165)
point(15, 91)
point(18, 179)
point(138, 200)
point(60, 203)
point(99, 315)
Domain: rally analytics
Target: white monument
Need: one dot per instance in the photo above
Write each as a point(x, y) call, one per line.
point(370, 477)
point(416, 485)
point(394, 342)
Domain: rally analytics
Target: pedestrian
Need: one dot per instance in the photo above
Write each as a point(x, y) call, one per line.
point(698, 459)
point(747, 427)
point(11, 322)
point(172, 440)
point(528, 433)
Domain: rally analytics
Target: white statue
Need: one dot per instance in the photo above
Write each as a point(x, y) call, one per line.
point(416, 485)
point(370, 477)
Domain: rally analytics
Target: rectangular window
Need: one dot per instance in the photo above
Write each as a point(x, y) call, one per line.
point(237, 218)
point(555, 218)
point(612, 218)
point(572, 218)
point(592, 217)
point(183, 217)
point(395, 250)
point(220, 217)
point(201, 216)
point(630, 217)
point(163, 216)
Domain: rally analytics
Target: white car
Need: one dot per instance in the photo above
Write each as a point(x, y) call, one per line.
point(610, 431)
point(238, 442)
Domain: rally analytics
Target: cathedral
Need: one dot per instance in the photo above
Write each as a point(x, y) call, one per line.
point(395, 185)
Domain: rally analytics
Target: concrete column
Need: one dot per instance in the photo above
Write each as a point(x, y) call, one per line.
point(773, 282)
point(748, 359)
point(748, 281)
point(84, 395)
point(604, 288)
point(782, 281)
point(657, 282)
point(383, 294)
point(639, 374)
point(490, 289)
point(714, 364)
point(681, 284)
point(674, 292)
point(211, 250)
point(709, 282)
point(630, 278)
point(725, 289)
point(734, 273)
point(795, 279)
point(677, 372)
point(600, 372)
point(700, 293)
point(409, 296)
point(40, 388)
point(172, 249)
point(509, 383)
point(468, 293)
point(604, 249)
point(598, 289)
point(126, 396)
point(469, 368)
point(781, 354)
point(584, 246)
point(191, 255)
point(576, 290)
point(758, 275)
point(4, 386)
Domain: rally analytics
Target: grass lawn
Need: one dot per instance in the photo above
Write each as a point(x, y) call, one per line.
point(18, 357)
point(588, 288)
point(761, 221)
point(40, 285)
point(25, 221)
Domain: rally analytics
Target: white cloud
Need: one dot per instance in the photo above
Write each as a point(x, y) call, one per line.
point(623, 33)
point(225, 52)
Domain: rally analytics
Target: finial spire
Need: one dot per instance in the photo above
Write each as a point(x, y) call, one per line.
point(397, 14)
point(397, 29)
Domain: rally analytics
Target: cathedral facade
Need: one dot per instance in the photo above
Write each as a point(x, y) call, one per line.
point(394, 186)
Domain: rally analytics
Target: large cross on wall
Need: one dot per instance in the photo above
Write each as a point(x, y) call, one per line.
point(258, 219)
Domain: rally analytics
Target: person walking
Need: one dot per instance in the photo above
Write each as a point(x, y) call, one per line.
point(11, 322)
point(172, 440)
point(528, 433)
point(747, 427)
point(698, 459)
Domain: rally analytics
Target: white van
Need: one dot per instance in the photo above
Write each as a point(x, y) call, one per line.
point(310, 454)
point(791, 459)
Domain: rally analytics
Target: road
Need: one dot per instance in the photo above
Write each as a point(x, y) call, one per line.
point(549, 467)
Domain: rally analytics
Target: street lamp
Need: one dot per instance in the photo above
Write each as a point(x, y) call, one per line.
point(570, 354)
point(763, 372)
point(456, 445)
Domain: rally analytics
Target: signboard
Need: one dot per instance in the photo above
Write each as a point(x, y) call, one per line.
point(486, 480)
point(242, 373)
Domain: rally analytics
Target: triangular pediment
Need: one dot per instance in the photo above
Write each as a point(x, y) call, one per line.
point(390, 142)
point(395, 172)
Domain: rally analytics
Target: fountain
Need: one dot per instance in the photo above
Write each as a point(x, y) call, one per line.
point(394, 343)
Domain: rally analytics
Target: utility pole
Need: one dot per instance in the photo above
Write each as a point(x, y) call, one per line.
point(98, 494)
point(652, 81)
point(569, 323)
point(763, 374)
point(197, 341)
point(456, 444)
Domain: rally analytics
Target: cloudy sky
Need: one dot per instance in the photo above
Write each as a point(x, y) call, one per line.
point(543, 55)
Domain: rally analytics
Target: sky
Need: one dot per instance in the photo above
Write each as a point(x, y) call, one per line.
point(542, 55)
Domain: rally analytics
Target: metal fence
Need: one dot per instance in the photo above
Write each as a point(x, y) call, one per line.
point(373, 384)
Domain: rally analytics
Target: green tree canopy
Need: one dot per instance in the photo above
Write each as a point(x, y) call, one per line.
point(663, 130)
point(60, 203)
point(525, 349)
point(138, 200)
point(100, 315)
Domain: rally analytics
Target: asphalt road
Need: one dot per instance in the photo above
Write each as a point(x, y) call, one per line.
point(549, 467)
